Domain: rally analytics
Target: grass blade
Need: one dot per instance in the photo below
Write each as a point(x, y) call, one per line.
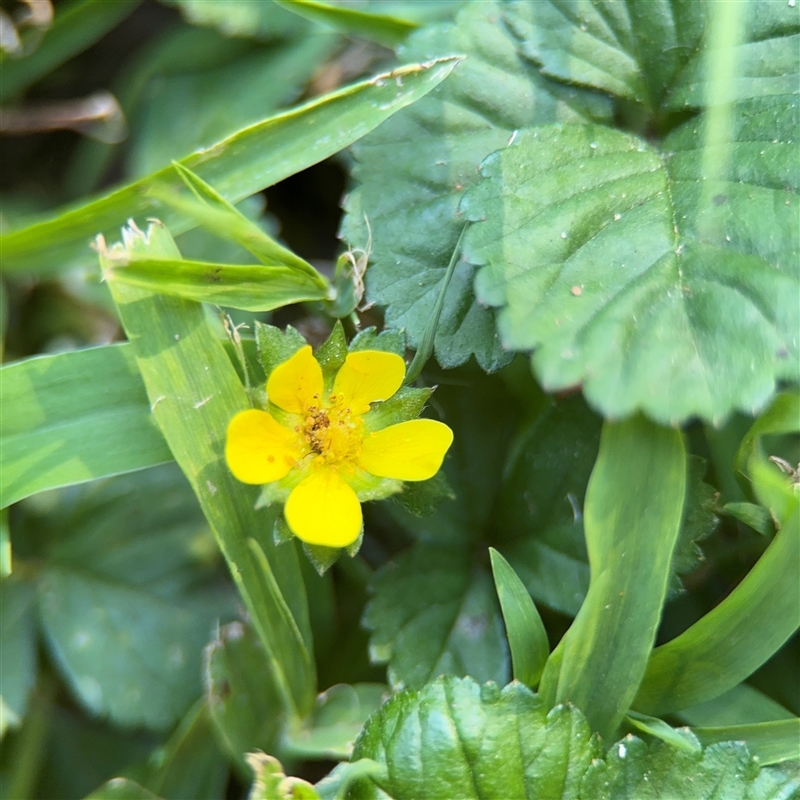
point(386, 30)
point(195, 392)
point(527, 638)
point(734, 639)
point(250, 288)
point(633, 511)
point(74, 417)
point(239, 166)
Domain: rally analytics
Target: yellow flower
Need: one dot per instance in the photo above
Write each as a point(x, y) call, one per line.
point(321, 442)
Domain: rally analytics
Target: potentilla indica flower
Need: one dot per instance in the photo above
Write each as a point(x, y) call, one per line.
point(326, 446)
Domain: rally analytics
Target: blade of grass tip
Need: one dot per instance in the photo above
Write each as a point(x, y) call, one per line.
point(244, 231)
point(426, 345)
point(527, 637)
point(658, 728)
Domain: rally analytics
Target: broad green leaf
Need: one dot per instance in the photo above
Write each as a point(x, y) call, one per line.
point(741, 705)
point(193, 387)
point(76, 25)
point(434, 611)
point(74, 417)
point(121, 789)
point(527, 637)
point(126, 653)
point(242, 700)
point(250, 288)
point(735, 638)
point(770, 742)
point(633, 512)
point(625, 271)
point(190, 764)
point(640, 52)
point(18, 664)
point(454, 738)
point(337, 719)
point(728, 770)
point(378, 27)
point(184, 112)
point(239, 166)
point(412, 172)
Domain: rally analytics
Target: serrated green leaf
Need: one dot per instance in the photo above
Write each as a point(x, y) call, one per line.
point(74, 417)
point(627, 273)
point(239, 166)
point(454, 738)
point(75, 27)
point(422, 498)
point(735, 638)
point(413, 171)
point(337, 719)
point(433, 612)
point(640, 52)
point(632, 772)
point(18, 665)
point(390, 340)
point(527, 637)
point(193, 386)
point(633, 512)
point(379, 27)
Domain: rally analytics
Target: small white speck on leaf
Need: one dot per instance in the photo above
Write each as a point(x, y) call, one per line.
point(617, 217)
point(576, 291)
point(177, 336)
point(201, 403)
point(157, 401)
point(622, 751)
point(563, 234)
point(211, 487)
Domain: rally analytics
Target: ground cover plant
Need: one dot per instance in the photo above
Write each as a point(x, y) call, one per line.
point(400, 399)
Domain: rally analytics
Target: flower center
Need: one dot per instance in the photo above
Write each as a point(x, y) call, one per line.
point(333, 433)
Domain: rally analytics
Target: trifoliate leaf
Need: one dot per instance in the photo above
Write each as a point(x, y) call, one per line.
point(413, 170)
point(627, 271)
point(454, 738)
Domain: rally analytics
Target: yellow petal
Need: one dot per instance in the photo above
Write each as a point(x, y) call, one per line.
point(324, 510)
point(296, 384)
point(258, 449)
point(408, 451)
point(368, 376)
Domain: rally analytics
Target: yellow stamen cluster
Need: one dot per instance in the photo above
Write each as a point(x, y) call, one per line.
point(332, 432)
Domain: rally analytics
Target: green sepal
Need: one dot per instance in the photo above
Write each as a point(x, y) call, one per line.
point(331, 354)
point(272, 493)
point(406, 404)
point(281, 532)
point(422, 498)
point(276, 346)
point(352, 549)
point(388, 341)
point(370, 487)
point(322, 558)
